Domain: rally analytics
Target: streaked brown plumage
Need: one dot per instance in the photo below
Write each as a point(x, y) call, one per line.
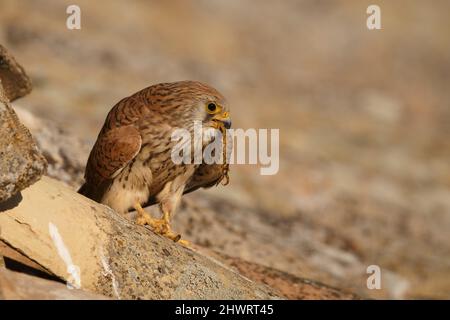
point(130, 164)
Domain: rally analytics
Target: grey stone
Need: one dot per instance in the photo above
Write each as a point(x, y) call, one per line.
point(21, 163)
point(15, 81)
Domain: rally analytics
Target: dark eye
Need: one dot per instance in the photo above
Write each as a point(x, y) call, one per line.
point(212, 107)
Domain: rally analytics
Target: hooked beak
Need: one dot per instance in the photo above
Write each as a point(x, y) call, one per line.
point(224, 118)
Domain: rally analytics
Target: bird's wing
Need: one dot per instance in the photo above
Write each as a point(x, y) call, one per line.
point(113, 150)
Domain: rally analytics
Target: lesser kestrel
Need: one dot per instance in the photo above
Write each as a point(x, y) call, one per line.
point(130, 165)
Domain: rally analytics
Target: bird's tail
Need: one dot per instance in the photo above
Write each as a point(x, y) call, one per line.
point(94, 192)
point(84, 190)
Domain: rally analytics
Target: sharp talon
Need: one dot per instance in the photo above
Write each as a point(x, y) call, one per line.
point(159, 226)
point(144, 219)
point(140, 222)
point(184, 243)
point(227, 179)
point(224, 176)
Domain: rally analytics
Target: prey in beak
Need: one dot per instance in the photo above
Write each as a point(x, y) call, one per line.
point(222, 120)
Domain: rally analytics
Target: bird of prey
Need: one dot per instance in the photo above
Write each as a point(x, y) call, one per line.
point(130, 165)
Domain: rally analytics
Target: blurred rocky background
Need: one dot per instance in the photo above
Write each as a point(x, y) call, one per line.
point(364, 119)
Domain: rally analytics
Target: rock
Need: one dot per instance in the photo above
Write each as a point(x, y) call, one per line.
point(19, 286)
point(21, 163)
point(93, 248)
point(15, 81)
point(287, 285)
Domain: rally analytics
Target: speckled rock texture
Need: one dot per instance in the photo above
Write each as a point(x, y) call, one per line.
point(93, 248)
point(288, 285)
point(15, 81)
point(21, 163)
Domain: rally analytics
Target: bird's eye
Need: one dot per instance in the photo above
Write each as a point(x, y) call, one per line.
point(212, 107)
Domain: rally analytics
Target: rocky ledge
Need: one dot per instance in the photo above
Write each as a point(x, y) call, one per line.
point(57, 244)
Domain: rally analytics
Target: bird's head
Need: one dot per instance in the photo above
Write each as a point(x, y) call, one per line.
point(217, 115)
point(208, 106)
point(188, 101)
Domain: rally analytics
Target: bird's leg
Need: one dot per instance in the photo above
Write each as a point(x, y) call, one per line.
point(169, 199)
point(144, 218)
point(160, 226)
point(166, 229)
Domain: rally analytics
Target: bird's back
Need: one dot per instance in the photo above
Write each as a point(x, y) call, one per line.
point(133, 148)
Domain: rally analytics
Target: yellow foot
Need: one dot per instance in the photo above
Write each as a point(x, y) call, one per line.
point(159, 226)
point(184, 243)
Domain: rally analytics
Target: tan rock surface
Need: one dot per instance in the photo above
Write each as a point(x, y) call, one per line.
point(286, 284)
point(19, 286)
point(90, 246)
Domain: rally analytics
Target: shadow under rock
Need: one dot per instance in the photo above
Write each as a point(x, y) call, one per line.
point(11, 203)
